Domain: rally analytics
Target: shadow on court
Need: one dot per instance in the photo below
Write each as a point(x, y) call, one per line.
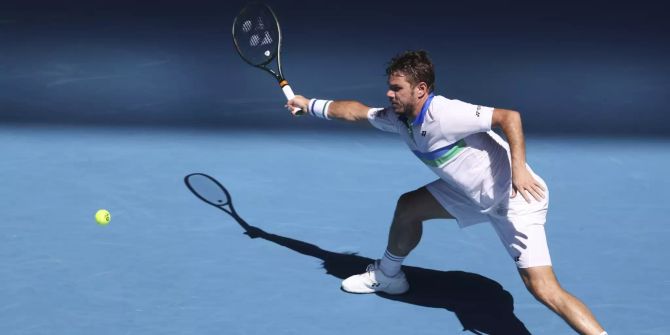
point(480, 304)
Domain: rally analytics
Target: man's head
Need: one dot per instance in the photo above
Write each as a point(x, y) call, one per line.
point(411, 79)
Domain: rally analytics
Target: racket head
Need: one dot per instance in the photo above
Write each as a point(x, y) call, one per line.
point(209, 190)
point(256, 34)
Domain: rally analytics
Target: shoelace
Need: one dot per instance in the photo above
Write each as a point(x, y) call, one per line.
point(371, 267)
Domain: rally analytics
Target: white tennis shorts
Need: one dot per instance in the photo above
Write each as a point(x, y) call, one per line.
point(519, 225)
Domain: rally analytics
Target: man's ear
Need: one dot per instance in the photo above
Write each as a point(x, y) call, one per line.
point(421, 90)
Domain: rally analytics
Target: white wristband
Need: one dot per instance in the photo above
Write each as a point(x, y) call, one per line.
point(319, 108)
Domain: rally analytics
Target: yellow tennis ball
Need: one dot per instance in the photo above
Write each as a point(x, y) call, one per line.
point(102, 217)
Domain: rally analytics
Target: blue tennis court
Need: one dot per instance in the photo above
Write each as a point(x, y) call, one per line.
point(320, 205)
point(111, 104)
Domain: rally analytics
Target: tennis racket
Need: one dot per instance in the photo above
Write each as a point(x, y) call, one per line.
point(257, 39)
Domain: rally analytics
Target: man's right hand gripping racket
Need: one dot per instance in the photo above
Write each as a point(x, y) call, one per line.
point(257, 38)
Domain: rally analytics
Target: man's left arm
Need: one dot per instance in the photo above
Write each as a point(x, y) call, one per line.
point(522, 180)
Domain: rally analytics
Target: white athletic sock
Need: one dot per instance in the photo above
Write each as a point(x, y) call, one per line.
point(390, 264)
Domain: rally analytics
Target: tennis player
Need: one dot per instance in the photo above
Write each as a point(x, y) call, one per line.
point(482, 178)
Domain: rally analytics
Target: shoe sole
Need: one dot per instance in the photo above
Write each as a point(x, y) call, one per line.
point(372, 292)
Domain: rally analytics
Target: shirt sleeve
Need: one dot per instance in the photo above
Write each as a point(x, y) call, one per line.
point(462, 119)
point(383, 119)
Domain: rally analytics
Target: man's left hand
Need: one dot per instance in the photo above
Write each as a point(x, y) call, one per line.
point(524, 183)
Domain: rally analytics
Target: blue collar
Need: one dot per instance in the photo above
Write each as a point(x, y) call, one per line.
point(419, 119)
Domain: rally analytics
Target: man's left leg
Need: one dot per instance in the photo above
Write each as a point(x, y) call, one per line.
point(543, 285)
point(521, 230)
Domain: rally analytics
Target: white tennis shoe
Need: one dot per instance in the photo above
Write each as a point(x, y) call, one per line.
point(374, 280)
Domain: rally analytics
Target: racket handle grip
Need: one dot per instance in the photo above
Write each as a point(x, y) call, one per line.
point(288, 92)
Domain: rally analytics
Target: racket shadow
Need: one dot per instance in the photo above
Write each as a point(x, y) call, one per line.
point(480, 304)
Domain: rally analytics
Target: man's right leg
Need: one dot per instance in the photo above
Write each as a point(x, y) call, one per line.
point(411, 210)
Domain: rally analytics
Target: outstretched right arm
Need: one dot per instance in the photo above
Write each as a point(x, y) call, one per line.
point(344, 110)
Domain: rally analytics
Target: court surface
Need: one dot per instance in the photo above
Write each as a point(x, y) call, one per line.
point(320, 204)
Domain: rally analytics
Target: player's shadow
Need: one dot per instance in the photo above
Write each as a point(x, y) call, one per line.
point(481, 304)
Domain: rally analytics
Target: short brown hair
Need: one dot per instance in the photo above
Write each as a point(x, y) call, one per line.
point(416, 66)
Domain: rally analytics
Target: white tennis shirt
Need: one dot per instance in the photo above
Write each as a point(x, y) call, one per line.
point(454, 139)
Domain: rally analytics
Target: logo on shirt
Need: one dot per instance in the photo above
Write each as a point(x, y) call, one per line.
point(477, 111)
point(423, 133)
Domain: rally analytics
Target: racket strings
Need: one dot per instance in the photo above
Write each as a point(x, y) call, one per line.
point(259, 23)
point(257, 35)
point(267, 39)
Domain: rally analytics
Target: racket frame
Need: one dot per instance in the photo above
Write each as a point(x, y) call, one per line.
point(278, 75)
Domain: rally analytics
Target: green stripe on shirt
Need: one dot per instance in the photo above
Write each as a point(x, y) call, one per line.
point(460, 145)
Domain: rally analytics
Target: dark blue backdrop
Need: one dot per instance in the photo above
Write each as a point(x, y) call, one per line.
point(568, 67)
